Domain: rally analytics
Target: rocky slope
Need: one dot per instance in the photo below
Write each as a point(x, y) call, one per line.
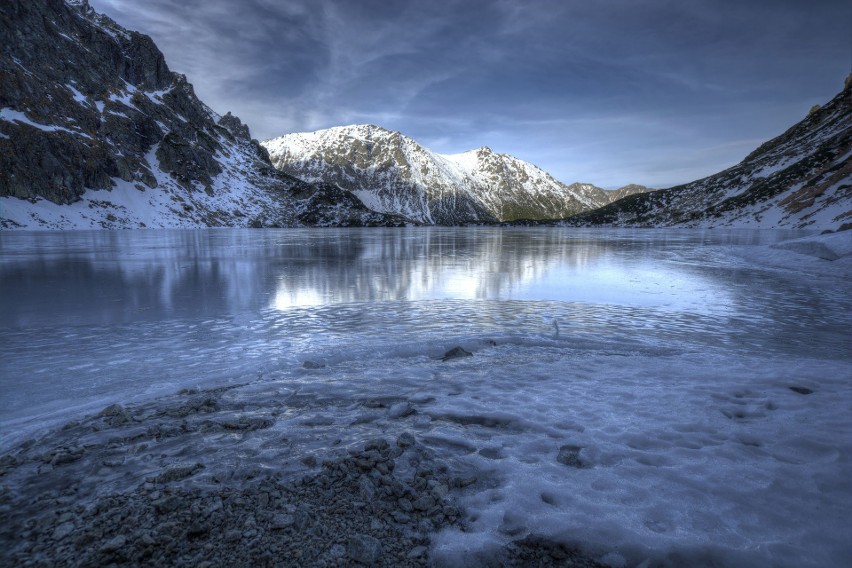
point(801, 179)
point(392, 173)
point(97, 132)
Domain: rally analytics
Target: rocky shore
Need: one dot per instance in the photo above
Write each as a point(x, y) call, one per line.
point(93, 502)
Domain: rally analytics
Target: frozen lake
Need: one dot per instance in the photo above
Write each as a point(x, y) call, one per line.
point(629, 390)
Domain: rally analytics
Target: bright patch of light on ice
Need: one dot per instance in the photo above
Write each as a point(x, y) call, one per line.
point(286, 298)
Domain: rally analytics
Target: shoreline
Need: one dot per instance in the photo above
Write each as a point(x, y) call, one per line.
point(73, 497)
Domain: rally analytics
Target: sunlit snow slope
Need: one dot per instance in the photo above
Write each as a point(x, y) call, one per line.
point(801, 179)
point(392, 173)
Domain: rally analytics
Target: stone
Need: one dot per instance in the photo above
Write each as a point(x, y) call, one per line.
point(400, 517)
point(364, 549)
point(366, 489)
point(63, 530)
point(424, 503)
point(405, 440)
point(282, 521)
point(456, 353)
point(570, 455)
point(416, 552)
point(176, 472)
point(401, 410)
point(114, 545)
point(377, 444)
point(465, 481)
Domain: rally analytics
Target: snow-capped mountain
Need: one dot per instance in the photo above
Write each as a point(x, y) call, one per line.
point(801, 179)
point(97, 132)
point(392, 173)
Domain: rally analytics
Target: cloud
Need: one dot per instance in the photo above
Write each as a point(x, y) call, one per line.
point(611, 91)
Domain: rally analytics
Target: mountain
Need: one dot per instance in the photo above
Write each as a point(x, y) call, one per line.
point(97, 132)
point(392, 173)
point(801, 179)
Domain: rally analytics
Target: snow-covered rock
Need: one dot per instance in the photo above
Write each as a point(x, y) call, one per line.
point(801, 179)
point(392, 173)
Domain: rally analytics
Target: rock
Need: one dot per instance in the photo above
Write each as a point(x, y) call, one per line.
point(405, 440)
point(424, 503)
point(464, 482)
point(63, 530)
point(114, 544)
point(416, 552)
point(376, 444)
point(113, 410)
point(801, 390)
point(366, 489)
point(456, 353)
point(364, 549)
point(65, 456)
point(401, 410)
point(570, 455)
point(282, 521)
point(400, 517)
point(176, 472)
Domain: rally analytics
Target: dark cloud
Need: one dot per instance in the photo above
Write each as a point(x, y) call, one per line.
point(611, 91)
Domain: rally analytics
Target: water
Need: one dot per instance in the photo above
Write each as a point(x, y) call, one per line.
point(666, 355)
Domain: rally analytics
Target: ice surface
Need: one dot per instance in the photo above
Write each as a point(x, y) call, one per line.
point(629, 391)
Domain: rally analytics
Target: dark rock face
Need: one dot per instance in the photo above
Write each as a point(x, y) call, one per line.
point(88, 105)
point(88, 84)
point(327, 205)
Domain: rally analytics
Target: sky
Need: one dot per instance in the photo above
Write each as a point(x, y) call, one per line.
point(610, 92)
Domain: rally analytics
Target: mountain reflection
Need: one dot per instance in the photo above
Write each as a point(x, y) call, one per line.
point(106, 277)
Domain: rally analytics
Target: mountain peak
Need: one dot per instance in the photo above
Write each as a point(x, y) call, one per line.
point(392, 173)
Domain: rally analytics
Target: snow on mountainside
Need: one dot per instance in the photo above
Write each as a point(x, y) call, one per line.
point(392, 173)
point(97, 132)
point(801, 179)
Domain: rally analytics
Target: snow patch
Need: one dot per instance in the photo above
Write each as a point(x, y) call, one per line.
point(11, 115)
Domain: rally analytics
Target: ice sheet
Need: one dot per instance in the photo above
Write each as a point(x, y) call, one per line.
point(630, 392)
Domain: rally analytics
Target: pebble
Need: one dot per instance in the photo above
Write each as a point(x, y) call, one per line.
point(570, 456)
point(405, 440)
point(456, 353)
point(63, 530)
point(114, 544)
point(416, 552)
point(364, 549)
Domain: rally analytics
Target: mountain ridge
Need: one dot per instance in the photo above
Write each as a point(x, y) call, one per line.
point(800, 179)
point(391, 172)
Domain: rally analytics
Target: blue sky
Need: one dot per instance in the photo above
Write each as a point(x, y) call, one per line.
point(610, 92)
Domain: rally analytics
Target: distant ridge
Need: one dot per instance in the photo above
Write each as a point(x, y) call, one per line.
point(392, 173)
point(801, 179)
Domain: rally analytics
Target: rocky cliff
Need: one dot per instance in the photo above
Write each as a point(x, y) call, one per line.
point(96, 131)
point(801, 179)
point(391, 172)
